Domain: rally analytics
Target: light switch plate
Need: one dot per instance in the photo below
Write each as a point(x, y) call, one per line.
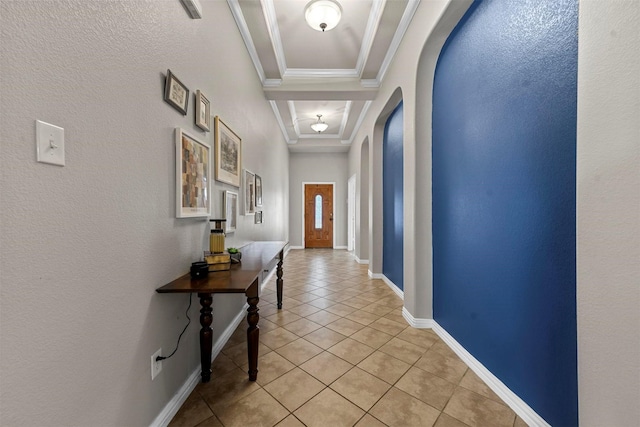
point(49, 143)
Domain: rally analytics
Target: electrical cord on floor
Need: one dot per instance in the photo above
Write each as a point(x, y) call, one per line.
point(159, 358)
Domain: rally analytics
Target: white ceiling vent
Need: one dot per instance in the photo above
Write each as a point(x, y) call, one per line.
point(193, 8)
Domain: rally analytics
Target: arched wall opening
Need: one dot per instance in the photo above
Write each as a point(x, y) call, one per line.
point(418, 302)
point(503, 196)
point(393, 199)
point(376, 185)
point(362, 206)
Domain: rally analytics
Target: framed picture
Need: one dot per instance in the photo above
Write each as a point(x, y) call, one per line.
point(249, 193)
point(228, 154)
point(193, 176)
point(258, 190)
point(259, 217)
point(203, 112)
point(175, 93)
point(231, 210)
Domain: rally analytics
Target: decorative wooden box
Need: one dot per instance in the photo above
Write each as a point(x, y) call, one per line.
point(218, 262)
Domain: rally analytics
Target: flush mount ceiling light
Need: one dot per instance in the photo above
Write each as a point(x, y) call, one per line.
point(322, 15)
point(319, 126)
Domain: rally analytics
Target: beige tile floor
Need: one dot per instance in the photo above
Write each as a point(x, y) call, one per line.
point(340, 353)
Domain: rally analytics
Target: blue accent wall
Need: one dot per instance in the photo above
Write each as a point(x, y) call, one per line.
point(393, 198)
point(504, 196)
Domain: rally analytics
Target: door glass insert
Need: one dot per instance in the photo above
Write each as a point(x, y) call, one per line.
point(318, 219)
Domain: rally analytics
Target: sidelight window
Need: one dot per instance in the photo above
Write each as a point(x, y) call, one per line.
point(318, 219)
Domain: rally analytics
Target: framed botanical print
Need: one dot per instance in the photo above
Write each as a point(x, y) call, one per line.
point(249, 193)
point(228, 154)
point(175, 93)
point(193, 176)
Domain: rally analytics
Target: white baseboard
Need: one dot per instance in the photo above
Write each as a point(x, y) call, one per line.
point(340, 247)
point(171, 408)
point(374, 275)
point(393, 286)
point(296, 247)
point(523, 410)
point(361, 261)
point(416, 322)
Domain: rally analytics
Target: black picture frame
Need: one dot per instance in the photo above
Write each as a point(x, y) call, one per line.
point(176, 94)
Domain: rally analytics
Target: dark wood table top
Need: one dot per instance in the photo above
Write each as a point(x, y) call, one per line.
point(255, 257)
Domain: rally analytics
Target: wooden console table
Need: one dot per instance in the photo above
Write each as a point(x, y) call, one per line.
point(242, 278)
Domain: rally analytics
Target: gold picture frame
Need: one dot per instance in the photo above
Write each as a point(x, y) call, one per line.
point(228, 154)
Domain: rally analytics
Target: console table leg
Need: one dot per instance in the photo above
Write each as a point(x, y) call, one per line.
point(206, 335)
point(253, 337)
point(279, 281)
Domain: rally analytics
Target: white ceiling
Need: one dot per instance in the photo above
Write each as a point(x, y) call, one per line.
point(305, 72)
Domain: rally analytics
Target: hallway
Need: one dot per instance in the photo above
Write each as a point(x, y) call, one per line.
point(340, 353)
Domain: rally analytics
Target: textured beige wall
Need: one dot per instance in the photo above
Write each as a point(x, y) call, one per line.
point(608, 213)
point(83, 247)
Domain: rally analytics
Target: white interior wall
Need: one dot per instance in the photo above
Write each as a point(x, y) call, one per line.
point(317, 167)
point(608, 213)
point(83, 247)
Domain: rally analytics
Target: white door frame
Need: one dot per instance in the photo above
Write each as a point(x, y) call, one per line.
point(351, 213)
point(333, 226)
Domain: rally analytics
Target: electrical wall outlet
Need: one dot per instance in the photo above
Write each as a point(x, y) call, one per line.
point(156, 365)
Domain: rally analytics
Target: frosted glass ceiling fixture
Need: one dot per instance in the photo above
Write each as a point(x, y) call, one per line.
point(322, 15)
point(319, 126)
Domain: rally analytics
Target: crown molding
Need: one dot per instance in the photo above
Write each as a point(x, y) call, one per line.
point(369, 34)
point(345, 117)
point(234, 5)
point(283, 129)
point(407, 16)
point(271, 83)
point(363, 114)
point(309, 73)
point(271, 19)
point(370, 83)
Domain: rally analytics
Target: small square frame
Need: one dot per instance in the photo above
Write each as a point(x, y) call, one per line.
point(203, 112)
point(175, 93)
point(193, 176)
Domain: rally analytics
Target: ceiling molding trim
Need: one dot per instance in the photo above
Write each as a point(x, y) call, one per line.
point(271, 19)
point(234, 5)
point(372, 83)
point(320, 136)
point(345, 117)
point(294, 117)
point(321, 73)
point(272, 83)
point(356, 128)
point(369, 33)
point(407, 16)
point(283, 129)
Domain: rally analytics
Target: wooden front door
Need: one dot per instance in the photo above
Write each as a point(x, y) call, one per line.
point(318, 216)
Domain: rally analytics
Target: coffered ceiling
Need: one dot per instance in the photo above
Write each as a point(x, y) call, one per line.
point(336, 73)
